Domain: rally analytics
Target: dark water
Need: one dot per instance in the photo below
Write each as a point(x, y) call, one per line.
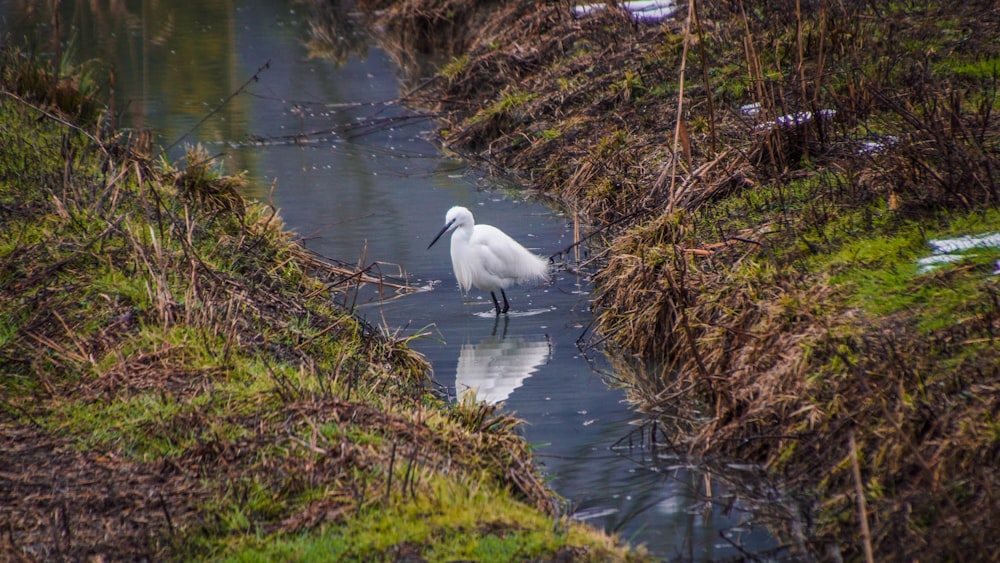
point(320, 134)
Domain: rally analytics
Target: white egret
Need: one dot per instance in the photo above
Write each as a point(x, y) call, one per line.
point(486, 257)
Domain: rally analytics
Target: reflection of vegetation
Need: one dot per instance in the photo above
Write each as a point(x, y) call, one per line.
point(661, 442)
point(334, 32)
point(417, 42)
point(151, 60)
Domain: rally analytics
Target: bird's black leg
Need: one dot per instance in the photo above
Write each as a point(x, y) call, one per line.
point(505, 304)
point(497, 303)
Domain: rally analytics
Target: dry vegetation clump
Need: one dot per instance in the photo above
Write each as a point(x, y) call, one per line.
point(772, 171)
point(571, 113)
point(925, 432)
point(177, 377)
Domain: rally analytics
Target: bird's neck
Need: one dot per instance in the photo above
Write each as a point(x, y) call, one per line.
point(463, 233)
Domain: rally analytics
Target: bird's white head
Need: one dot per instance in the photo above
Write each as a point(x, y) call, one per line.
point(456, 217)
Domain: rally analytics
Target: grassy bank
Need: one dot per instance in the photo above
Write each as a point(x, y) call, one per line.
point(177, 381)
point(768, 176)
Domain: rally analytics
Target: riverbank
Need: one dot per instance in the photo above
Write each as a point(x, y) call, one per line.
point(798, 203)
point(179, 381)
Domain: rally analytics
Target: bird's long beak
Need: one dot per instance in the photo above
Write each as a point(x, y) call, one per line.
point(443, 231)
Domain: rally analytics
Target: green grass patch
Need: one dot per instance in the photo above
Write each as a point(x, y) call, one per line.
point(448, 520)
point(981, 69)
point(881, 273)
point(510, 99)
point(455, 67)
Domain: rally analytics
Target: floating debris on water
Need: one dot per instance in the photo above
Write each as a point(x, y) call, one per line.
point(591, 513)
point(946, 251)
point(641, 10)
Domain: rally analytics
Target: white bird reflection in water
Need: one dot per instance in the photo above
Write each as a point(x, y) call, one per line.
point(498, 365)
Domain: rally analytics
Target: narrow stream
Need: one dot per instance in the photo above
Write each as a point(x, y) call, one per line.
point(352, 173)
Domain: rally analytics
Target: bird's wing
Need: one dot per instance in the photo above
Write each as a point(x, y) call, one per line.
point(502, 256)
point(495, 250)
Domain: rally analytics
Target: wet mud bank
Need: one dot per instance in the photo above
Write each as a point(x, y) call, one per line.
point(768, 179)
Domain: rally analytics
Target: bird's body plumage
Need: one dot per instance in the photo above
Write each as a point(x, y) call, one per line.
point(487, 258)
